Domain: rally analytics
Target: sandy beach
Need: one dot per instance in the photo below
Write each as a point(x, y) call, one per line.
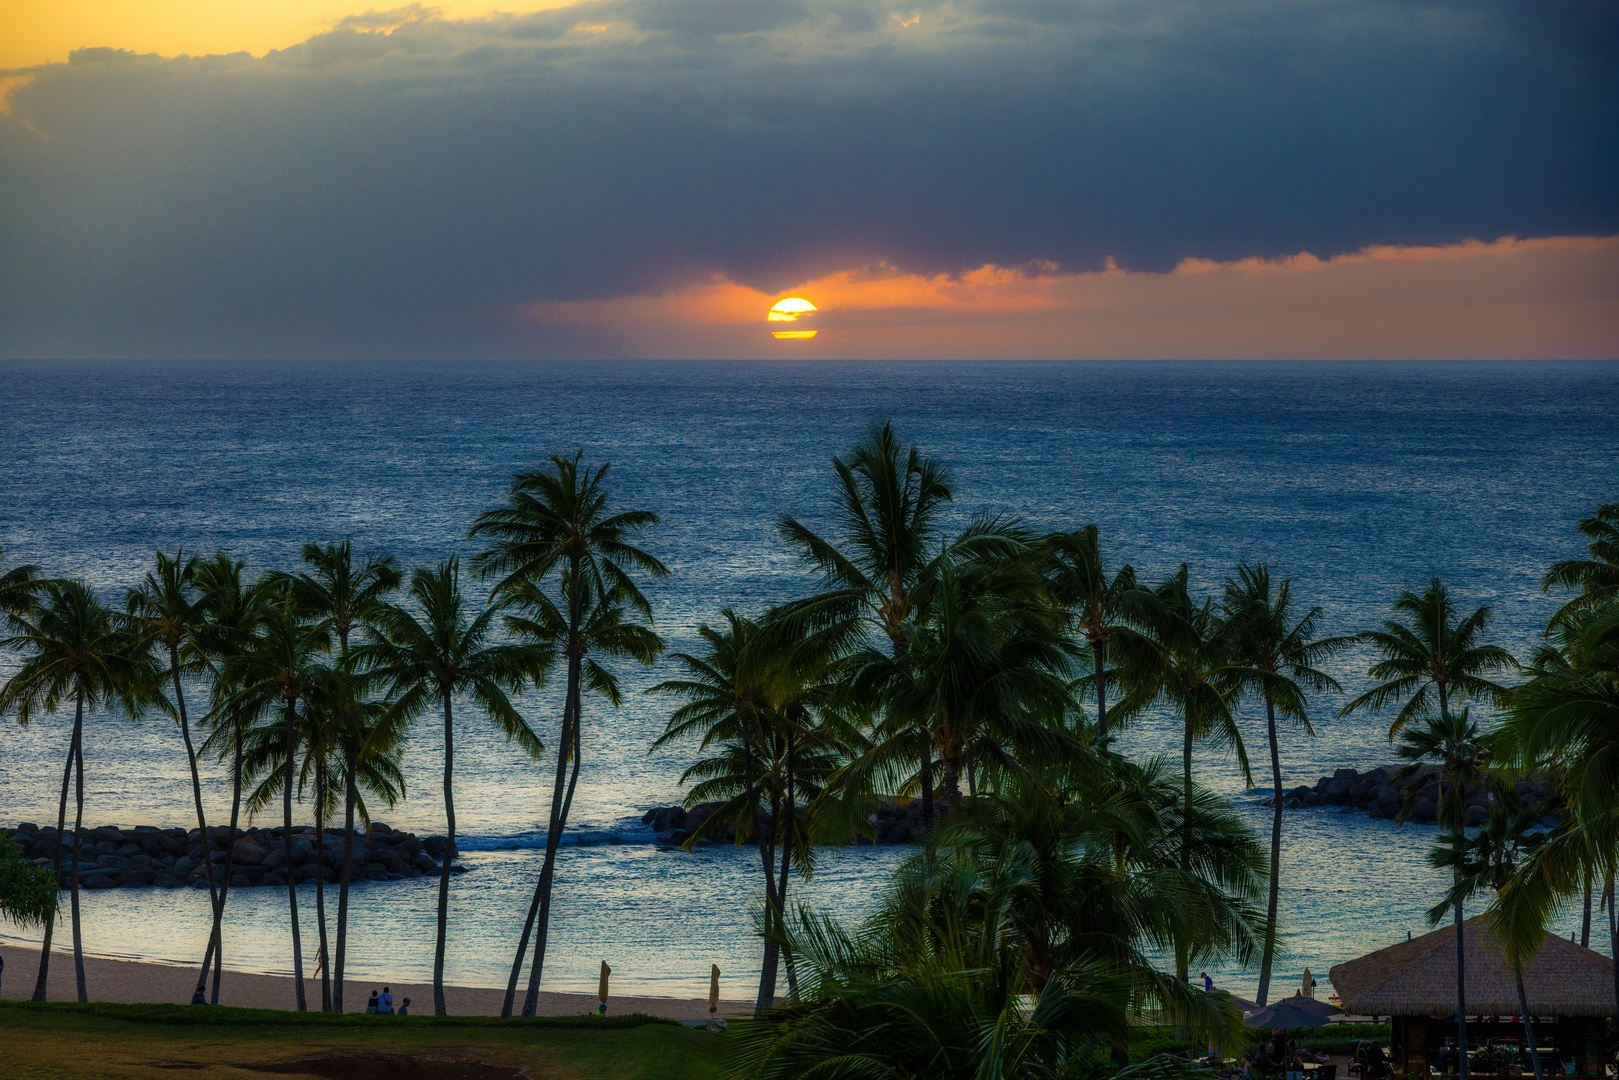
point(137, 982)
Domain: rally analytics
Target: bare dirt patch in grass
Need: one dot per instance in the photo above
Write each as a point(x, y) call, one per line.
point(350, 1065)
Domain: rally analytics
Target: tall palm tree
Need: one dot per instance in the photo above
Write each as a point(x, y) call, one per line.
point(889, 514)
point(1565, 720)
point(429, 654)
point(166, 611)
point(282, 664)
point(1279, 651)
point(342, 593)
point(231, 610)
point(1485, 863)
point(75, 649)
point(755, 701)
point(558, 522)
point(1190, 666)
point(1099, 608)
point(1595, 580)
point(1430, 656)
point(1452, 741)
point(609, 629)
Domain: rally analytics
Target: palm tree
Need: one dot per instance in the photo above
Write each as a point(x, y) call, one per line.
point(166, 611)
point(890, 506)
point(1565, 720)
point(1485, 863)
point(270, 680)
point(230, 611)
point(1596, 579)
point(558, 520)
point(1100, 609)
point(1452, 740)
point(75, 649)
point(1016, 945)
point(608, 630)
point(1279, 652)
point(431, 655)
point(342, 595)
point(754, 701)
point(1190, 667)
point(1429, 657)
point(986, 673)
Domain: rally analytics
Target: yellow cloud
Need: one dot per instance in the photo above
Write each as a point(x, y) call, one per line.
point(45, 31)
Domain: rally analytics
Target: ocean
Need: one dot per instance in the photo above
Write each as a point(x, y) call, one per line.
point(1353, 479)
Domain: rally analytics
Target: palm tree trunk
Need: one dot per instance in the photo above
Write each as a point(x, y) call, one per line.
point(1528, 1025)
point(789, 823)
point(1099, 662)
point(553, 830)
point(559, 810)
point(292, 874)
point(230, 867)
point(1461, 994)
point(1613, 937)
point(1585, 919)
point(196, 800)
point(320, 886)
point(56, 855)
point(1182, 952)
point(343, 887)
point(772, 960)
point(950, 770)
point(449, 858)
point(1269, 953)
point(78, 843)
point(902, 657)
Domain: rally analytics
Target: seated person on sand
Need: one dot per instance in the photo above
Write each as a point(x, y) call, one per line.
point(404, 1007)
point(371, 1006)
point(201, 996)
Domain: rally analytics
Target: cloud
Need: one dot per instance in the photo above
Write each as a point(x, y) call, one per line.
point(412, 186)
point(1511, 298)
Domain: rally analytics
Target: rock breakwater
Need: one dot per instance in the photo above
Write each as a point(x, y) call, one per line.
point(146, 856)
point(1381, 795)
point(893, 821)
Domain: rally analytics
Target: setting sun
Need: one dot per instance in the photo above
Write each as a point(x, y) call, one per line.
point(789, 310)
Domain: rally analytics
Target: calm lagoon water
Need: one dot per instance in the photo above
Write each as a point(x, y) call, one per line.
point(1354, 479)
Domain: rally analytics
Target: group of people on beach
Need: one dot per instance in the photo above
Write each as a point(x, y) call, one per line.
point(380, 1004)
point(383, 1004)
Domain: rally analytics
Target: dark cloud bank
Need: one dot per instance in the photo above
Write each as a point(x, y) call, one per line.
point(363, 194)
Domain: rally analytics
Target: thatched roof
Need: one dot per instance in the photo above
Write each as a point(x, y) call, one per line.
point(1418, 978)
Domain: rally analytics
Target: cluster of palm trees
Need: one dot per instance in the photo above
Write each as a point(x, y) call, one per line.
point(986, 672)
point(956, 668)
point(308, 682)
point(980, 674)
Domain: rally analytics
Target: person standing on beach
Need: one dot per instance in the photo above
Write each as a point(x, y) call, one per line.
point(385, 1003)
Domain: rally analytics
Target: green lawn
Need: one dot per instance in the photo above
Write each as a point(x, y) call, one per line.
point(69, 1041)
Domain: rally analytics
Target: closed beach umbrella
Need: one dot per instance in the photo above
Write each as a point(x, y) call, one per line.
point(601, 991)
point(713, 989)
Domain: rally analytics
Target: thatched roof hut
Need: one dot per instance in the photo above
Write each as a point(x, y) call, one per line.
point(1418, 978)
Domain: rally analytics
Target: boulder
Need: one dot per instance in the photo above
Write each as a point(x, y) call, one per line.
point(663, 818)
point(275, 858)
point(247, 853)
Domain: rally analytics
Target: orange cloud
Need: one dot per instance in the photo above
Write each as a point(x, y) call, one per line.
point(1547, 297)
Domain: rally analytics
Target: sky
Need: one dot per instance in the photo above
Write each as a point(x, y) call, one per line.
point(961, 178)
